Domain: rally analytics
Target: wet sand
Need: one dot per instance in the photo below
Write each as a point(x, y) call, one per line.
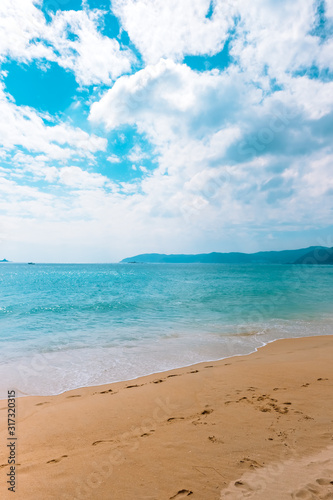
point(257, 426)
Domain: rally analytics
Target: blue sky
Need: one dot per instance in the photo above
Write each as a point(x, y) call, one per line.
point(138, 126)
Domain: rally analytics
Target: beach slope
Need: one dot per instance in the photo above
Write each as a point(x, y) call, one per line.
point(257, 426)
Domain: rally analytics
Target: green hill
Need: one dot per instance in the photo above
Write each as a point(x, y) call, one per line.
point(280, 257)
point(317, 256)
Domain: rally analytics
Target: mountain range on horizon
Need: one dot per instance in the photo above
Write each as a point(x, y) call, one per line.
point(310, 255)
point(313, 255)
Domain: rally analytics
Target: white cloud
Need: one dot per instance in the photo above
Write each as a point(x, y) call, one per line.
point(202, 124)
point(24, 127)
point(269, 39)
point(170, 99)
point(276, 39)
point(20, 23)
point(136, 154)
point(75, 177)
point(113, 159)
point(329, 9)
point(172, 29)
point(72, 39)
point(93, 58)
point(24, 201)
point(22, 163)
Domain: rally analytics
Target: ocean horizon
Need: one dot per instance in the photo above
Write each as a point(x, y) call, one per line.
point(65, 326)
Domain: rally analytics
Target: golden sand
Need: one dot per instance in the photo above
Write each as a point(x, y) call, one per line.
point(257, 426)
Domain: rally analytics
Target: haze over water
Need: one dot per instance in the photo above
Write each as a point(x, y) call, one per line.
point(68, 326)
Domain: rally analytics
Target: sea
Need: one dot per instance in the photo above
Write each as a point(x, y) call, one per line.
point(65, 326)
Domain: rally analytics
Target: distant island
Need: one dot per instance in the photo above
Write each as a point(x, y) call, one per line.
point(310, 255)
point(4, 260)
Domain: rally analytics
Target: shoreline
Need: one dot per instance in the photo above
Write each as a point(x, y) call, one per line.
point(151, 374)
point(164, 372)
point(158, 372)
point(206, 425)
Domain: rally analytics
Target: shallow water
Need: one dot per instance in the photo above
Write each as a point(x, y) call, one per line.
point(67, 326)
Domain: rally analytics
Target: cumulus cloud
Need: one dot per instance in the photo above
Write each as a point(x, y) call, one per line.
point(113, 159)
point(237, 146)
point(75, 177)
point(136, 154)
point(92, 57)
point(280, 41)
point(173, 29)
point(171, 99)
point(72, 39)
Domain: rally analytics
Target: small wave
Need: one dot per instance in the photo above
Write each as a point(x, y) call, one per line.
point(253, 333)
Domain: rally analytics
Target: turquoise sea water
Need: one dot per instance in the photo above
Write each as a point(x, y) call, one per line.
point(67, 326)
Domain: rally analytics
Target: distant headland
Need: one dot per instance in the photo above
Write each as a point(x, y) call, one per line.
point(311, 255)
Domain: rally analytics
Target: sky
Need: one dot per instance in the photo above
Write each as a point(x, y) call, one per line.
point(170, 126)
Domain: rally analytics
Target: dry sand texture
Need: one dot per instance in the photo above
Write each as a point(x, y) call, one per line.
point(257, 426)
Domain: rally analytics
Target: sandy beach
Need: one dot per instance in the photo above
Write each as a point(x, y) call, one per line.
point(257, 426)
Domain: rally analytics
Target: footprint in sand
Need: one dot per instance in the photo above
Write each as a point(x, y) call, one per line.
point(207, 412)
point(198, 420)
point(244, 486)
point(322, 490)
point(181, 494)
point(270, 404)
point(56, 460)
point(175, 418)
point(158, 381)
point(40, 404)
point(214, 439)
point(252, 464)
point(324, 482)
point(239, 490)
point(74, 396)
point(95, 443)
